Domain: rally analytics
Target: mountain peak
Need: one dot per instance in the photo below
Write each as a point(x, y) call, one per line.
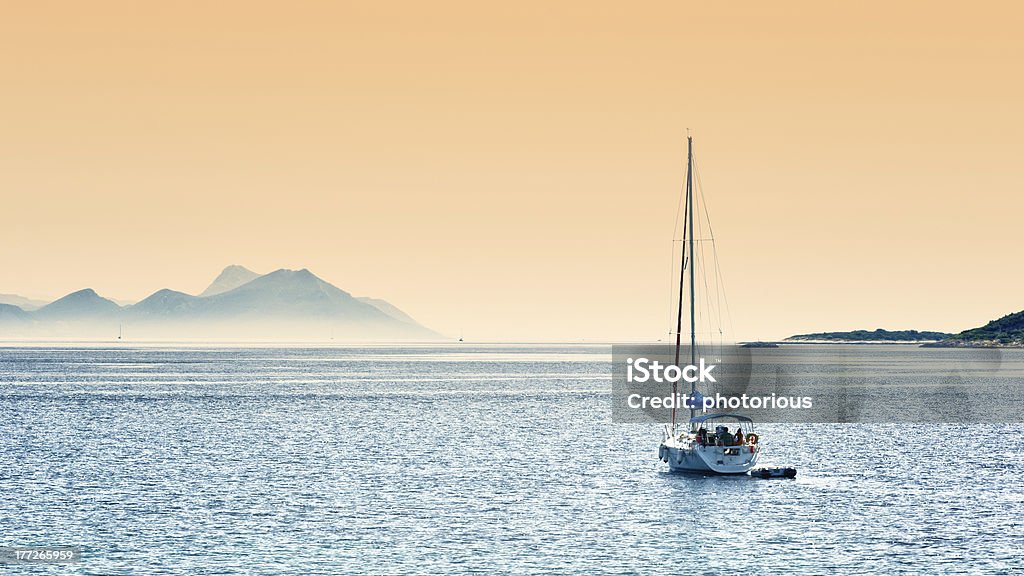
point(165, 302)
point(289, 275)
point(83, 302)
point(286, 279)
point(165, 293)
point(230, 278)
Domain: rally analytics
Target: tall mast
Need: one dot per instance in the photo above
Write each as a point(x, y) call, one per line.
point(687, 234)
point(693, 320)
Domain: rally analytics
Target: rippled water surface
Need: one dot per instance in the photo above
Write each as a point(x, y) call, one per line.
point(438, 460)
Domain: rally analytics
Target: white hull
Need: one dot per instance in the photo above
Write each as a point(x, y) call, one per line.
point(692, 457)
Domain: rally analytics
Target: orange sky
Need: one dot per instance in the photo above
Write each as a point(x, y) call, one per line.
point(511, 170)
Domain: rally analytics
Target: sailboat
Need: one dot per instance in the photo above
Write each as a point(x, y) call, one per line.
point(705, 443)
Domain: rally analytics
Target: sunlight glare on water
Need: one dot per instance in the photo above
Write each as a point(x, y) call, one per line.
point(450, 459)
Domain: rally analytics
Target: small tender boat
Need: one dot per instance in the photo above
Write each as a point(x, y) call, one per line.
point(767, 473)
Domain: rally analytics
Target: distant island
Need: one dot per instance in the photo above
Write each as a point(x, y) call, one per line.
point(1005, 332)
point(759, 345)
point(238, 304)
point(877, 335)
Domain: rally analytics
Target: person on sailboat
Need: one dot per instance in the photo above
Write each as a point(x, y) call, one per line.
point(722, 436)
point(739, 437)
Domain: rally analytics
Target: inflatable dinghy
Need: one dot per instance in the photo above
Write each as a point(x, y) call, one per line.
point(773, 473)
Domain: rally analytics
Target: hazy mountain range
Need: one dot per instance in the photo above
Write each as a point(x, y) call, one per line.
point(21, 302)
point(238, 304)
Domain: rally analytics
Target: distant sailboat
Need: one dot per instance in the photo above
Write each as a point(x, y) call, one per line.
point(692, 446)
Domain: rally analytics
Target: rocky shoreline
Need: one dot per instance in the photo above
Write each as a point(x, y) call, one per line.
point(974, 344)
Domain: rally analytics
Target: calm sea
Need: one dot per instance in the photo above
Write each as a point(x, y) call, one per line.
point(458, 459)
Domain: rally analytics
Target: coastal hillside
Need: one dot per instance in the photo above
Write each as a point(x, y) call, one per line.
point(1005, 331)
point(877, 335)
